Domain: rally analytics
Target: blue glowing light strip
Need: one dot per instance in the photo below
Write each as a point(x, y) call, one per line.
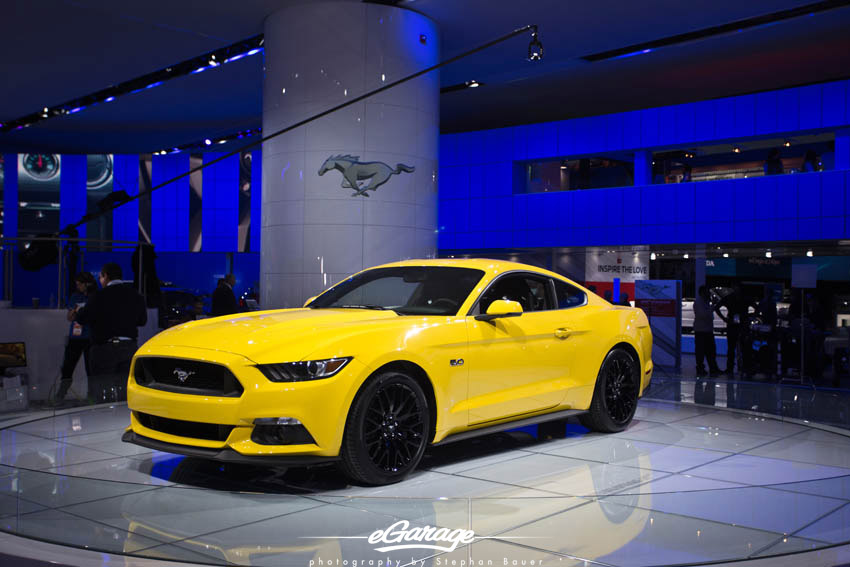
point(217, 58)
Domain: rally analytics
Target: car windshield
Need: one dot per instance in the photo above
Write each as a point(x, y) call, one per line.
point(408, 290)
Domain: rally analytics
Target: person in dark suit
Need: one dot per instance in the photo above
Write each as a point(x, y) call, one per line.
point(223, 299)
point(79, 336)
point(737, 310)
point(705, 347)
point(114, 314)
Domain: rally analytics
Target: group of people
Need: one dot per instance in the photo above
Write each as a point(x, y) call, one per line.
point(103, 329)
point(736, 319)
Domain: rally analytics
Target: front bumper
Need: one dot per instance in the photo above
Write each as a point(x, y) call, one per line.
point(227, 454)
point(320, 405)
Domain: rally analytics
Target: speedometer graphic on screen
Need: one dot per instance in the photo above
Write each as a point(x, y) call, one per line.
point(98, 171)
point(41, 166)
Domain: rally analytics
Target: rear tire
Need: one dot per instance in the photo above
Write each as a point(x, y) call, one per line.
point(615, 395)
point(386, 430)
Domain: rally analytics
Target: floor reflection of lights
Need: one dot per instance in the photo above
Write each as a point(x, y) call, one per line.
point(684, 484)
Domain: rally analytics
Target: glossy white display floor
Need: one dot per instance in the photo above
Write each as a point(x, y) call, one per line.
point(685, 484)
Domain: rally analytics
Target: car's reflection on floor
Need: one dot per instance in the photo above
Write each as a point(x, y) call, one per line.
point(684, 483)
point(353, 513)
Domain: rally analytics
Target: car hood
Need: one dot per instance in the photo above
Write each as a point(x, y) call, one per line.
point(273, 336)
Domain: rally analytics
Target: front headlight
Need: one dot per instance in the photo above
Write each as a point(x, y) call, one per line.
point(304, 370)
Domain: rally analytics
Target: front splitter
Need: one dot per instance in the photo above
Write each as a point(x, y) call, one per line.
point(226, 455)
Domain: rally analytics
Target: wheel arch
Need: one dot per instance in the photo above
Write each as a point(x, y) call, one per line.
point(628, 348)
point(417, 373)
point(633, 352)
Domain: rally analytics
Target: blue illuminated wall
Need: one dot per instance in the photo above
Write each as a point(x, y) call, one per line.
point(479, 210)
point(170, 204)
point(220, 204)
point(125, 219)
point(256, 200)
point(169, 223)
point(10, 195)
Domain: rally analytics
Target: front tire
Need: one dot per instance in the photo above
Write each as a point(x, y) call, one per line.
point(615, 395)
point(386, 430)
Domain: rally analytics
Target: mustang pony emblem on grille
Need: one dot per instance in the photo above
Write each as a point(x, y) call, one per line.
point(182, 375)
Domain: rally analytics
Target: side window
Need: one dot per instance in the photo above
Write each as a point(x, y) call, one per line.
point(531, 292)
point(568, 296)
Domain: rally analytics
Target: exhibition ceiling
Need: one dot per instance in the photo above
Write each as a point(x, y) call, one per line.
point(57, 50)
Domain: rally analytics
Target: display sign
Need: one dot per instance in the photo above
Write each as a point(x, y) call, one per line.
point(628, 266)
point(602, 268)
point(661, 300)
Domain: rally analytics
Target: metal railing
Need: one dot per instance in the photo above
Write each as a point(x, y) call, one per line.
point(11, 249)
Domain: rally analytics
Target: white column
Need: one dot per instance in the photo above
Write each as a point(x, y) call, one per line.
point(316, 232)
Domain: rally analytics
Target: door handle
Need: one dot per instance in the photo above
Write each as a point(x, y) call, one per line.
point(562, 333)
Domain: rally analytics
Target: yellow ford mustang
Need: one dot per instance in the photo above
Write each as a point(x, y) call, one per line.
point(388, 361)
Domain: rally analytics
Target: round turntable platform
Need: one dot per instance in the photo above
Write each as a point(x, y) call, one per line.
point(684, 484)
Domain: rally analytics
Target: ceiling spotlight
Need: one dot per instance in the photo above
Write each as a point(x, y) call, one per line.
point(221, 141)
point(212, 62)
point(685, 256)
point(809, 253)
point(473, 84)
point(535, 48)
point(207, 141)
point(736, 150)
point(652, 256)
point(725, 254)
point(787, 144)
point(768, 254)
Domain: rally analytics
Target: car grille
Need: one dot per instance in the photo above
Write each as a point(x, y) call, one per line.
point(199, 378)
point(193, 429)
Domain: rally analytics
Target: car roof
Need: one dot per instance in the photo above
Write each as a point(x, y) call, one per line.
point(488, 265)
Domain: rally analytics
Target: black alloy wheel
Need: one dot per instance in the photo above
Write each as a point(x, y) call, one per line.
point(621, 390)
point(615, 396)
point(386, 431)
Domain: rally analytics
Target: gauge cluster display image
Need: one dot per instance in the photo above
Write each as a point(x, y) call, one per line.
point(38, 193)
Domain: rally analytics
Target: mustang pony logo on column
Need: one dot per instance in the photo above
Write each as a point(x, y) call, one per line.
point(356, 173)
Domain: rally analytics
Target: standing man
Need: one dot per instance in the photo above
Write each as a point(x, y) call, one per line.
point(223, 299)
point(735, 319)
point(114, 312)
point(704, 333)
point(79, 336)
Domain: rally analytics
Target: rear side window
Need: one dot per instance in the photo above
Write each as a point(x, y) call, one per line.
point(568, 295)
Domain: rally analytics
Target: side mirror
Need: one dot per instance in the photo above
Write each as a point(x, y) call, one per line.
point(501, 308)
point(309, 301)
